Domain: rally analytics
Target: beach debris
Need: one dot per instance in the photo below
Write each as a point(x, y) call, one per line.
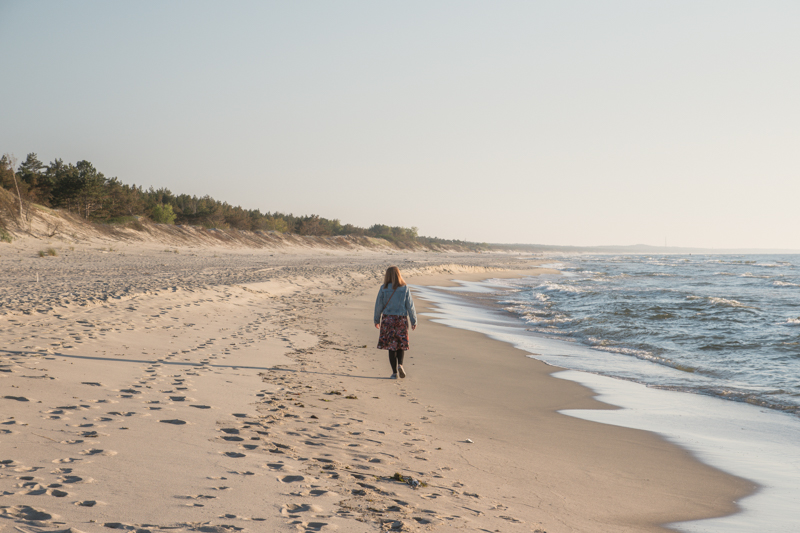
point(468, 441)
point(410, 481)
point(351, 397)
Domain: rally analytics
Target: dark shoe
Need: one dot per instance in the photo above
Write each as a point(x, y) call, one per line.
point(401, 371)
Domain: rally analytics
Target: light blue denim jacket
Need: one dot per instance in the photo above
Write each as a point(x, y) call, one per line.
point(400, 304)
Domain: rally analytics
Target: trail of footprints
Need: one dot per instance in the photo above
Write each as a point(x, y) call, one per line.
point(336, 467)
point(333, 468)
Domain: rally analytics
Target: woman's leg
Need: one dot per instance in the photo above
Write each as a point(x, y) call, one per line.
point(393, 360)
point(400, 370)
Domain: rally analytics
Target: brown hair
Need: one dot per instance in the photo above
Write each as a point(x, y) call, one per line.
point(393, 276)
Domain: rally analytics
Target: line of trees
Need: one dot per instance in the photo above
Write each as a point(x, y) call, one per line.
point(85, 191)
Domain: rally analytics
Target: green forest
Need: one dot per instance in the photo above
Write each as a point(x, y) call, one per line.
point(83, 190)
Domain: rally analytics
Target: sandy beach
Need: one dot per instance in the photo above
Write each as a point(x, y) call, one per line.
point(217, 389)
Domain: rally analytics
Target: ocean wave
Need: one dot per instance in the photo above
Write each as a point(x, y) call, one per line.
point(751, 275)
point(785, 284)
point(729, 302)
point(601, 344)
point(548, 321)
point(763, 399)
point(724, 274)
point(793, 322)
point(551, 286)
point(721, 301)
point(661, 316)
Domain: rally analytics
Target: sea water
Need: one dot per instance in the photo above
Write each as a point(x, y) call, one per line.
point(702, 349)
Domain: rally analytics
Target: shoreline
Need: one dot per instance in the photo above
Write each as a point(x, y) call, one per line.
point(626, 476)
point(269, 404)
point(721, 433)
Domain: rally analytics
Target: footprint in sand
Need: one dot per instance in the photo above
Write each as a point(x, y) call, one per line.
point(313, 526)
point(291, 479)
point(95, 451)
point(291, 509)
point(72, 479)
point(173, 421)
point(196, 497)
point(25, 512)
point(87, 503)
point(17, 398)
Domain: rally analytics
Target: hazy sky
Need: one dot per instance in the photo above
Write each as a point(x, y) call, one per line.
point(561, 122)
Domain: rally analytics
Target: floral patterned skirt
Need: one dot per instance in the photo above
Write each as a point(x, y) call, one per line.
point(394, 333)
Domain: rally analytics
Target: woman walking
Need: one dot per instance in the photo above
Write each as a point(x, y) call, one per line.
point(393, 308)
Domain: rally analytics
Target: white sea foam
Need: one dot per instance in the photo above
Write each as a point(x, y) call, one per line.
point(548, 321)
point(602, 344)
point(550, 286)
point(784, 284)
point(720, 301)
point(726, 301)
point(793, 321)
point(735, 437)
point(751, 275)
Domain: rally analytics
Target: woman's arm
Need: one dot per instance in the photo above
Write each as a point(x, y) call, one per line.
point(378, 308)
point(412, 312)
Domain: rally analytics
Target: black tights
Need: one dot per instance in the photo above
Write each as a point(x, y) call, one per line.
point(395, 358)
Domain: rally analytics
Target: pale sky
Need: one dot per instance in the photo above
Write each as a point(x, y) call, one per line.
point(561, 122)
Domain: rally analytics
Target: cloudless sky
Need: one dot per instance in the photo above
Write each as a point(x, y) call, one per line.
point(560, 122)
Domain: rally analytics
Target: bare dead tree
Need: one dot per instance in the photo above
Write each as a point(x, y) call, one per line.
point(53, 228)
point(12, 161)
point(24, 205)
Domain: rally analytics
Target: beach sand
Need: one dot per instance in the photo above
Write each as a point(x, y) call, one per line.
point(225, 390)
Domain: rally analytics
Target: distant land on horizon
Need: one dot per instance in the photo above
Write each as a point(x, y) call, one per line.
point(640, 249)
